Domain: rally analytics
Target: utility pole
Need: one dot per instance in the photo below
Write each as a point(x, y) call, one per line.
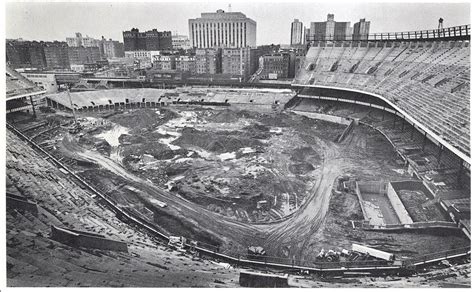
point(72, 106)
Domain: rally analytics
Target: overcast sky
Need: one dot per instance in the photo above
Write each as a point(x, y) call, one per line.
point(56, 21)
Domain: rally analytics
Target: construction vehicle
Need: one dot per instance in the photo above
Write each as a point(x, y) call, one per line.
point(256, 252)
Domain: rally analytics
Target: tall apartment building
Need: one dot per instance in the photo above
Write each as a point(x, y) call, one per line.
point(79, 41)
point(330, 30)
point(152, 40)
point(236, 61)
point(296, 37)
point(222, 29)
point(276, 65)
point(83, 55)
point(56, 55)
point(111, 49)
point(208, 61)
point(361, 30)
point(25, 54)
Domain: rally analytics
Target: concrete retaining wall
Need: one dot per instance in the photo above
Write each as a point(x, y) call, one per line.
point(324, 117)
point(373, 187)
point(86, 239)
point(17, 202)
point(411, 186)
point(398, 206)
point(261, 280)
point(359, 196)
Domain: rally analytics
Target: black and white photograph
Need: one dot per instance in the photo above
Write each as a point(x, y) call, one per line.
point(236, 144)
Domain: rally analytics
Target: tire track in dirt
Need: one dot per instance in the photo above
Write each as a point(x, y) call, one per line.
point(294, 230)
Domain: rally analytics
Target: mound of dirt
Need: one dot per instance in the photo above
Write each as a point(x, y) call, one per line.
point(225, 116)
point(143, 118)
point(258, 131)
point(229, 116)
point(217, 142)
point(303, 153)
point(301, 168)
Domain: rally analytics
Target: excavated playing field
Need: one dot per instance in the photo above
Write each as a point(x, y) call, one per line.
point(248, 166)
point(236, 177)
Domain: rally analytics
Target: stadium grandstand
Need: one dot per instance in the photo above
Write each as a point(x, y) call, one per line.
point(426, 81)
point(20, 92)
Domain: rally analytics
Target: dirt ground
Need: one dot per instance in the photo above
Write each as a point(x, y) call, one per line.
point(265, 166)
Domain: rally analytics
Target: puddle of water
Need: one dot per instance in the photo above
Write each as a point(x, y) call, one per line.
point(226, 156)
point(112, 135)
point(246, 150)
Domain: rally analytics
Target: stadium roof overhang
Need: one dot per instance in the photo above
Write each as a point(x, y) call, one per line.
point(445, 144)
point(26, 95)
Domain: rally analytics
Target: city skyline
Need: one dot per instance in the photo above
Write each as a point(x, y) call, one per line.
point(111, 19)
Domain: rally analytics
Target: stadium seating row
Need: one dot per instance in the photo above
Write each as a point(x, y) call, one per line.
point(17, 85)
point(430, 80)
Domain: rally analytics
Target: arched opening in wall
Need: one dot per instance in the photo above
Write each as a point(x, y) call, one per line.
point(126, 100)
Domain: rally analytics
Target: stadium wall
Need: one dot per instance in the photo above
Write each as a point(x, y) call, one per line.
point(398, 206)
point(324, 117)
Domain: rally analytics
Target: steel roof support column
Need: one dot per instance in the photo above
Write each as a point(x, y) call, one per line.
point(424, 143)
point(33, 106)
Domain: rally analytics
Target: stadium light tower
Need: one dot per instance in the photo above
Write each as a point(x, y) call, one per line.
point(440, 23)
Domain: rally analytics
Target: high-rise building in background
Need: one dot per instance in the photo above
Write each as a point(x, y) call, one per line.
point(296, 37)
point(306, 34)
point(79, 41)
point(180, 42)
point(361, 30)
point(330, 30)
point(274, 66)
point(111, 49)
point(83, 55)
point(236, 61)
point(222, 29)
point(152, 40)
point(56, 55)
point(25, 54)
